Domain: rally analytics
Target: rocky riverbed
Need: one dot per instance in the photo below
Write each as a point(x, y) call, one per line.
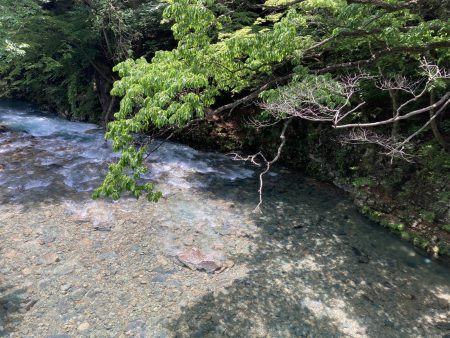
point(199, 263)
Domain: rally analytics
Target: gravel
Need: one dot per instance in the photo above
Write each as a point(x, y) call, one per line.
point(199, 263)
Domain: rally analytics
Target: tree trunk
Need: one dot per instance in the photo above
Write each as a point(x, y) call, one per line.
point(394, 98)
point(112, 104)
point(107, 102)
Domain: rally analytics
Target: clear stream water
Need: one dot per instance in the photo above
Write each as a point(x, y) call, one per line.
point(309, 265)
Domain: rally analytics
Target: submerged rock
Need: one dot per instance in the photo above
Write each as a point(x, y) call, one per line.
point(195, 259)
point(83, 327)
point(362, 256)
point(50, 258)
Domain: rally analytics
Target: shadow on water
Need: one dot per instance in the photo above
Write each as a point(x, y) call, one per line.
point(319, 269)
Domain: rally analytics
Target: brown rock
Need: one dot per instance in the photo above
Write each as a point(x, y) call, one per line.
point(228, 264)
point(195, 259)
point(50, 258)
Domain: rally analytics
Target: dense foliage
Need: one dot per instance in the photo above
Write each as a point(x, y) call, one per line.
point(253, 51)
point(60, 53)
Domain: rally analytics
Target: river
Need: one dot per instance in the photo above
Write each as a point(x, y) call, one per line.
point(308, 266)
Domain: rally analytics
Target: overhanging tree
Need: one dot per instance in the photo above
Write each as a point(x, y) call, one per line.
point(285, 44)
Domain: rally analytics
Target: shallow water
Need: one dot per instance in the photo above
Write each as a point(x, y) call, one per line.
point(309, 265)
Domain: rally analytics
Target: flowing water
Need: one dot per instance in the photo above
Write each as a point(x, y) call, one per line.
point(308, 266)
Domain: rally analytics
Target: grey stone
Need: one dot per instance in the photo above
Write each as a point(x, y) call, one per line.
point(160, 278)
point(49, 235)
point(65, 287)
point(44, 284)
point(137, 329)
point(445, 326)
point(107, 256)
point(77, 294)
point(64, 306)
point(63, 269)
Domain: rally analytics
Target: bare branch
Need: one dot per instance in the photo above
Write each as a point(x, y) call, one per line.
point(304, 100)
point(430, 120)
point(325, 100)
point(254, 160)
point(257, 124)
point(444, 101)
point(391, 145)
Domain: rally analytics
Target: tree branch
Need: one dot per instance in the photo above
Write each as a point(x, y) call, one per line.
point(250, 96)
point(384, 5)
point(381, 53)
point(445, 100)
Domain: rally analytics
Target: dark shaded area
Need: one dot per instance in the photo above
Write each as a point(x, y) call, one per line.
point(319, 269)
point(13, 302)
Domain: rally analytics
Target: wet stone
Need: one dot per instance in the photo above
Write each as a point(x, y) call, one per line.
point(102, 227)
point(64, 306)
point(195, 259)
point(160, 278)
point(445, 326)
point(83, 327)
point(137, 329)
point(92, 294)
point(77, 294)
point(63, 269)
point(50, 258)
point(107, 256)
point(44, 284)
point(362, 256)
point(65, 287)
point(48, 236)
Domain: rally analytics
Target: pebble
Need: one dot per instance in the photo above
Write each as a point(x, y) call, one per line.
point(77, 294)
point(65, 287)
point(50, 258)
point(83, 327)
